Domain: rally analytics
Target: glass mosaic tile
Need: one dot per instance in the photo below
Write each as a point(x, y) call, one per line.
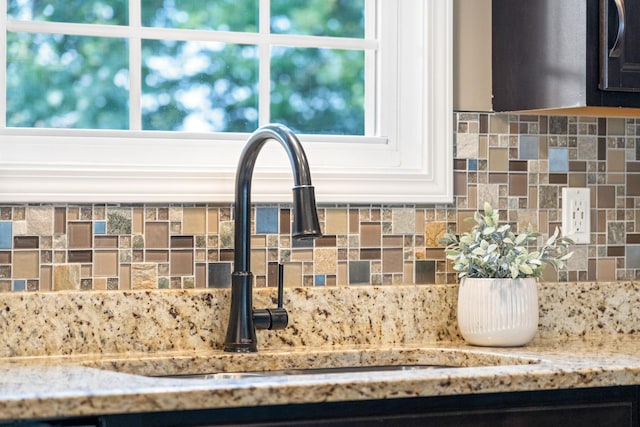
point(60, 220)
point(425, 272)
point(80, 256)
point(182, 242)
point(99, 227)
point(498, 159)
point(194, 220)
point(519, 163)
point(219, 275)
point(156, 256)
point(80, 235)
point(19, 285)
point(6, 234)
point(326, 241)
point(25, 242)
point(615, 126)
point(106, 241)
point(106, 263)
point(156, 235)
point(558, 160)
point(181, 263)
point(26, 264)
point(370, 234)
point(302, 243)
point(266, 220)
point(529, 147)
point(632, 259)
point(359, 273)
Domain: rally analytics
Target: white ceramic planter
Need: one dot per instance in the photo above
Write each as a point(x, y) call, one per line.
point(498, 312)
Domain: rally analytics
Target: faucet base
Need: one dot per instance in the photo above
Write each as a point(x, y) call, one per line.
point(241, 333)
point(240, 348)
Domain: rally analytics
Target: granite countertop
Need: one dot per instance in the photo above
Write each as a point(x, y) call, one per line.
point(90, 353)
point(39, 387)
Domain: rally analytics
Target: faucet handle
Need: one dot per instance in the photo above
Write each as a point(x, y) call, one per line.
point(273, 318)
point(270, 318)
point(280, 285)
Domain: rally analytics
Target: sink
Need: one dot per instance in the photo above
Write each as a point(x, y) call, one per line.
point(303, 361)
point(307, 371)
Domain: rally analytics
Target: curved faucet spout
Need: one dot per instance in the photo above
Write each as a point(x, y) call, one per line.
point(241, 330)
point(305, 219)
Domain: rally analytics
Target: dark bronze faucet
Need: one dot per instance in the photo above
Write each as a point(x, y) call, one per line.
point(243, 318)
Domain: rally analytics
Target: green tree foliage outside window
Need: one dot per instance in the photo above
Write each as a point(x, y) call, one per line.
point(82, 82)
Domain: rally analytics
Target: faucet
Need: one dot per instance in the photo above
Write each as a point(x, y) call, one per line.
point(243, 318)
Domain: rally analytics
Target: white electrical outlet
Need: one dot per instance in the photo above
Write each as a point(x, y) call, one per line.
point(576, 214)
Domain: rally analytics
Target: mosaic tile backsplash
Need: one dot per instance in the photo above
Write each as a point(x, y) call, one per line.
point(518, 163)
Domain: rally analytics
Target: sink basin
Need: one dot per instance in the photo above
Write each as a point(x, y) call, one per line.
point(221, 365)
point(309, 371)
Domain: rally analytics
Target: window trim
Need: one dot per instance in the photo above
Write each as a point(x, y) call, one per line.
point(412, 163)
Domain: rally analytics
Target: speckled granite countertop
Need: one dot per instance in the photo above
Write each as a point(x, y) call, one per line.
point(53, 387)
point(85, 354)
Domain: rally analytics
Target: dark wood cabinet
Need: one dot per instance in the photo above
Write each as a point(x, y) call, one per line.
point(550, 54)
point(620, 45)
point(597, 407)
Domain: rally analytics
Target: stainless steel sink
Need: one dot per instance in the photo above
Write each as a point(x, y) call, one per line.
point(222, 365)
point(310, 371)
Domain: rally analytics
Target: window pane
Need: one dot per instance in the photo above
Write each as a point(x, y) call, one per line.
point(198, 86)
point(79, 11)
point(67, 81)
point(318, 90)
point(337, 18)
point(222, 15)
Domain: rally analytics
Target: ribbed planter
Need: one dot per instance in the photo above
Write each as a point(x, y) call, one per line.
point(498, 312)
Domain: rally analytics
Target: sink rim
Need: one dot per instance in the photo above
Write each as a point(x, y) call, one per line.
point(310, 371)
point(216, 361)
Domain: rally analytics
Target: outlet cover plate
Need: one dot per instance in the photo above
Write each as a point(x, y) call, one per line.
point(576, 214)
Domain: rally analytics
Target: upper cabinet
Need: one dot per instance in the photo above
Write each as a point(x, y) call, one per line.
point(550, 54)
point(620, 45)
point(472, 55)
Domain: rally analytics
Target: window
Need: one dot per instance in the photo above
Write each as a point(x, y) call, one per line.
point(152, 101)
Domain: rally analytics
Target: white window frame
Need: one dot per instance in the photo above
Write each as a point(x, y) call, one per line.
point(409, 161)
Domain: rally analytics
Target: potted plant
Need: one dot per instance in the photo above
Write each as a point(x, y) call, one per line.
point(498, 296)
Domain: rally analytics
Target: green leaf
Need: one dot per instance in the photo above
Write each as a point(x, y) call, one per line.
point(526, 269)
point(521, 238)
point(478, 251)
point(514, 271)
point(488, 231)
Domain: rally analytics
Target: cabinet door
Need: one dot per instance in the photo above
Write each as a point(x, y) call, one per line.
point(620, 45)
